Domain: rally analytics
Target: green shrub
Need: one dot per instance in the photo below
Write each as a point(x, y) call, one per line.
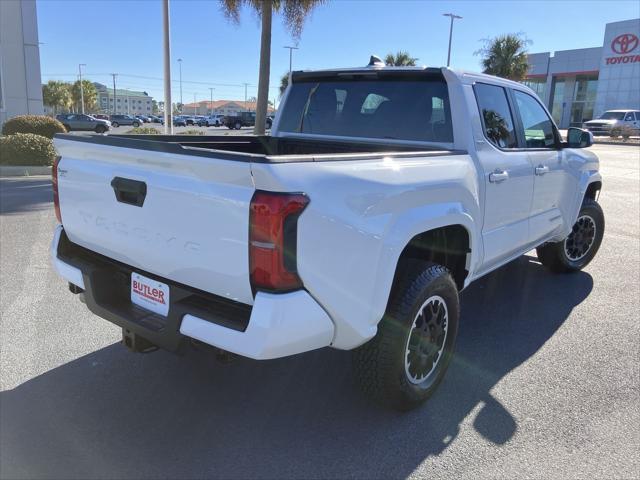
point(624, 131)
point(38, 124)
point(143, 131)
point(191, 132)
point(26, 149)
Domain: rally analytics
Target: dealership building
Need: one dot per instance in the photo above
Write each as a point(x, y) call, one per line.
point(578, 85)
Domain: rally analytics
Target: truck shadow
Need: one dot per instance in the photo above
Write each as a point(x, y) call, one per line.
point(115, 414)
point(19, 195)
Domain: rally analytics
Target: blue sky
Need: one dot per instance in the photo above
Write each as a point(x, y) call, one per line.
point(125, 37)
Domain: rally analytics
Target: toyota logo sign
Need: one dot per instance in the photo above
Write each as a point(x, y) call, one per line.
point(625, 43)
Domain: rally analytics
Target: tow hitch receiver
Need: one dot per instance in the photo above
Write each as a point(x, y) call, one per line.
point(136, 343)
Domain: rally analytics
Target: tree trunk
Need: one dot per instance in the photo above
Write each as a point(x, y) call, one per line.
point(265, 65)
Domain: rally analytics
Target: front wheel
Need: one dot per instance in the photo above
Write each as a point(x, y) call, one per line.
point(115, 124)
point(101, 129)
point(238, 125)
point(136, 124)
point(581, 245)
point(405, 362)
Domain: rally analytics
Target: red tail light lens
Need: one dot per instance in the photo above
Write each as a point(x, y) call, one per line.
point(273, 229)
point(54, 184)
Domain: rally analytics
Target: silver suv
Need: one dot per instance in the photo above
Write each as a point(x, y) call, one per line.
point(79, 121)
point(117, 120)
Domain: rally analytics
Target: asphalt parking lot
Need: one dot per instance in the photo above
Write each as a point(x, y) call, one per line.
point(545, 382)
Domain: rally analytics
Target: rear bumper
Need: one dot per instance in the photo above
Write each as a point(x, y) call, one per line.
point(277, 325)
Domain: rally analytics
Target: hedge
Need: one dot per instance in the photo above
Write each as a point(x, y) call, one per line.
point(26, 149)
point(143, 131)
point(38, 124)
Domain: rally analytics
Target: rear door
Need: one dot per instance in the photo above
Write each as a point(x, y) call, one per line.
point(508, 177)
point(554, 187)
point(183, 217)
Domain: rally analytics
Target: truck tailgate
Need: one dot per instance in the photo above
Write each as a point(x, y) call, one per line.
point(191, 227)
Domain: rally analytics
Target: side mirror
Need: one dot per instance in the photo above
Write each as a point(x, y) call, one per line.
point(579, 138)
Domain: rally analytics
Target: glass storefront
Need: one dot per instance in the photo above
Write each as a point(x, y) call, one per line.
point(557, 99)
point(584, 98)
point(537, 85)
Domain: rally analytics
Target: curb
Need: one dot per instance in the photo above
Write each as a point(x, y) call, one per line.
point(627, 144)
point(26, 171)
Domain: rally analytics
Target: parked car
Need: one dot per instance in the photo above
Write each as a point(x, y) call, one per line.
point(199, 120)
point(614, 118)
point(156, 119)
point(179, 121)
point(243, 119)
point(100, 116)
point(352, 228)
point(214, 120)
point(79, 121)
point(117, 120)
point(143, 118)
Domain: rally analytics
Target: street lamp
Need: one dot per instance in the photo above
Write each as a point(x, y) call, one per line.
point(453, 17)
point(291, 49)
point(80, 65)
point(180, 64)
point(211, 89)
point(166, 48)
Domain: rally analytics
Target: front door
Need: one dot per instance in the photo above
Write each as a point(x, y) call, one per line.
point(508, 178)
point(554, 187)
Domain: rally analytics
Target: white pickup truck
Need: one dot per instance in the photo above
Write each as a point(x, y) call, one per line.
point(381, 193)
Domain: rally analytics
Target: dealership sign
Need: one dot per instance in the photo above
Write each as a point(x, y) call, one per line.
point(623, 45)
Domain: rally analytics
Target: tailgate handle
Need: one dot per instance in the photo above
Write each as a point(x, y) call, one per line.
point(131, 192)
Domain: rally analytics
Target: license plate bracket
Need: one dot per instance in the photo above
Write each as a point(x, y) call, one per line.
point(150, 294)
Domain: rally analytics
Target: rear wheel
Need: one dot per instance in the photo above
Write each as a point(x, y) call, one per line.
point(136, 124)
point(238, 125)
point(100, 129)
point(404, 363)
point(115, 124)
point(581, 245)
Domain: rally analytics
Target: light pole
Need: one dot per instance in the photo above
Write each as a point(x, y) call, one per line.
point(80, 65)
point(114, 75)
point(291, 49)
point(180, 65)
point(245, 96)
point(453, 17)
point(166, 43)
point(211, 89)
point(195, 104)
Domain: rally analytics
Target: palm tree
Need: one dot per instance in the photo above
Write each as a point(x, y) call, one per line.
point(89, 93)
point(505, 56)
point(56, 94)
point(400, 59)
point(284, 83)
point(294, 13)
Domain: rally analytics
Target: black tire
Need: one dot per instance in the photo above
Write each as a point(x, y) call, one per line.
point(100, 129)
point(382, 366)
point(580, 247)
point(136, 124)
point(115, 124)
point(238, 125)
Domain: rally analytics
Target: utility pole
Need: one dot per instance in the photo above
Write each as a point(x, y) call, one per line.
point(114, 75)
point(168, 110)
point(291, 49)
point(180, 66)
point(80, 65)
point(195, 104)
point(211, 89)
point(245, 96)
point(453, 17)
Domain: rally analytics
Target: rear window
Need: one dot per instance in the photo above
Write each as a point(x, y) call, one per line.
point(396, 109)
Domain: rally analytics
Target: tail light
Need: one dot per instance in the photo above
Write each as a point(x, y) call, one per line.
point(54, 183)
point(273, 231)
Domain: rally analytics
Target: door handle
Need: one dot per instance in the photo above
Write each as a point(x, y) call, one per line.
point(132, 192)
point(498, 176)
point(542, 169)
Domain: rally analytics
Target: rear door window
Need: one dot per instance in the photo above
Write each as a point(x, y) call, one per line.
point(384, 108)
point(497, 120)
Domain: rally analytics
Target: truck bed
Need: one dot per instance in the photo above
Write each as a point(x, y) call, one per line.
point(260, 149)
